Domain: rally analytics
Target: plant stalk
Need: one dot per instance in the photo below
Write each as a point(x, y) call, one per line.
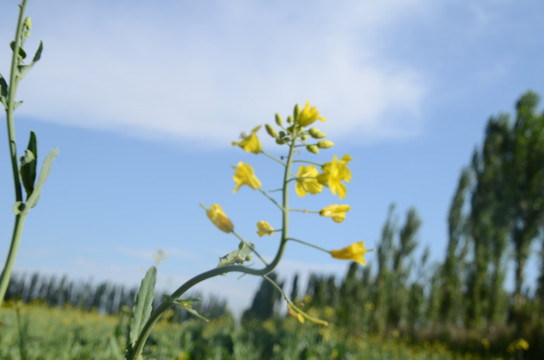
point(159, 311)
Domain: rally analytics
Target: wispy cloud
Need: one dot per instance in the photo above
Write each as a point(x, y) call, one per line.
point(203, 71)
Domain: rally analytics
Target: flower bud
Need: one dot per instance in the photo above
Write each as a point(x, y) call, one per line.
point(313, 149)
point(303, 136)
point(271, 131)
point(28, 23)
point(325, 144)
point(316, 133)
point(280, 141)
point(289, 119)
point(296, 111)
point(279, 120)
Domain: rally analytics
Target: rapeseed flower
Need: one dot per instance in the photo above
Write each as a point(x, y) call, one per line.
point(244, 175)
point(264, 228)
point(217, 216)
point(293, 313)
point(333, 174)
point(307, 181)
point(250, 143)
point(354, 252)
point(309, 115)
point(336, 212)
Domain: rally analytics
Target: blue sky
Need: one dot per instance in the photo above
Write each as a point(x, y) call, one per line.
point(144, 98)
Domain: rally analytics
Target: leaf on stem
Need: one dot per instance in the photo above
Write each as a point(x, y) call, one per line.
point(22, 53)
point(24, 69)
point(38, 53)
point(3, 90)
point(32, 200)
point(29, 164)
point(143, 305)
point(186, 305)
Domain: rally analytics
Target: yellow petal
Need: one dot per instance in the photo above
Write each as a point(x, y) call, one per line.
point(264, 228)
point(244, 175)
point(354, 252)
point(217, 216)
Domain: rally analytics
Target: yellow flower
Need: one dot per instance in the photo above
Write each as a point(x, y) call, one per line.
point(293, 313)
point(354, 252)
point(517, 345)
point(309, 115)
point(307, 181)
point(264, 228)
point(244, 175)
point(336, 212)
point(250, 143)
point(333, 174)
point(217, 216)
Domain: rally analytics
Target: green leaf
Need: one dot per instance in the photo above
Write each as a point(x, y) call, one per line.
point(143, 305)
point(22, 53)
point(24, 69)
point(29, 165)
point(186, 305)
point(44, 173)
point(38, 53)
point(3, 89)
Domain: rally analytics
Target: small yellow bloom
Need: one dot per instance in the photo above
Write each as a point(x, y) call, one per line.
point(354, 252)
point(293, 313)
point(307, 181)
point(244, 175)
point(336, 212)
point(217, 216)
point(250, 143)
point(264, 228)
point(333, 174)
point(517, 345)
point(309, 115)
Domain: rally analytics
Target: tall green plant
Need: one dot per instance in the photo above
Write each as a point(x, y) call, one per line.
point(24, 169)
point(310, 178)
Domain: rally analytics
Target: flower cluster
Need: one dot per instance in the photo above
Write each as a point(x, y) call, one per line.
point(310, 178)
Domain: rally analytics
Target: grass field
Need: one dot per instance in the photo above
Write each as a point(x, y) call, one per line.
point(38, 332)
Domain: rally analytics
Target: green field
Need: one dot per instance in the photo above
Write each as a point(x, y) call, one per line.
point(39, 332)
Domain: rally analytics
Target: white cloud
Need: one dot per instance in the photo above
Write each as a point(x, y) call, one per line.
point(206, 71)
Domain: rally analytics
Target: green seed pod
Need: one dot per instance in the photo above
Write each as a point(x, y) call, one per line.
point(325, 144)
point(279, 120)
point(313, 149)
point(316, 133)
point(271, 131)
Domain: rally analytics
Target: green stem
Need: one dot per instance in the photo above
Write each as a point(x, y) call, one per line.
point(308, 162)
point(310, 245)
point(273, 158)
point(10, 108)
point(306, 211)
point(157, 313)
point(10, 260)
point(271, 199)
